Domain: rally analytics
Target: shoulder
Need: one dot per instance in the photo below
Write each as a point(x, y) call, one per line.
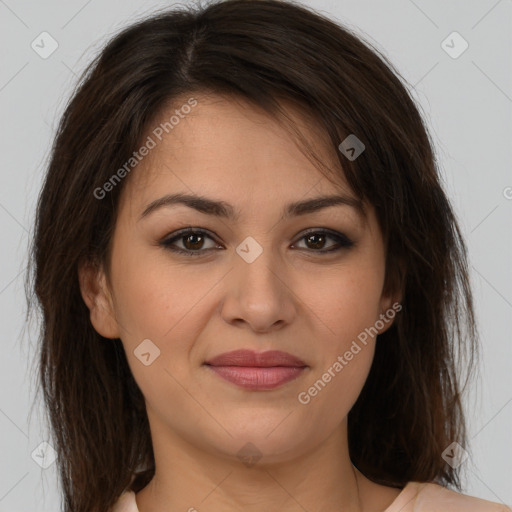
point(125, 503)
point(431, 497)
point(415, 497)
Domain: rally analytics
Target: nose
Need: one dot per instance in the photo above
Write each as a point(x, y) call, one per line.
point(258, 294)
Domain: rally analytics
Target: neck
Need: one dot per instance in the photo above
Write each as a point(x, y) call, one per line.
point(189, 478)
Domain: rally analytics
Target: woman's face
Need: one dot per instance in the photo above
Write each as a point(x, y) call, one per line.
point(261, 275)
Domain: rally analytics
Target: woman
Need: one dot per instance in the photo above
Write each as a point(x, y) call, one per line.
point(253, 285)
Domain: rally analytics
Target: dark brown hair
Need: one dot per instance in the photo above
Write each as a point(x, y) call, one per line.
point(265, 51)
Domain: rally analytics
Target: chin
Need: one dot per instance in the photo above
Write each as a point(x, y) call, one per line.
point(268, 440)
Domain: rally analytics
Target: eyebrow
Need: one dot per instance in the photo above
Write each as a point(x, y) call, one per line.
point(227, 211)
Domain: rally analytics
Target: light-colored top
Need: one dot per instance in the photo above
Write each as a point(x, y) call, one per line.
point(415, 497)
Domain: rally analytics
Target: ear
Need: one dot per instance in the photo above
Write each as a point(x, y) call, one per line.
point(391, 301)
point(390, 306)
point(97, 297)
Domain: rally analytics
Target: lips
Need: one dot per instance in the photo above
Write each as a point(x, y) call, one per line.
point(256, 359)
point(257, 371)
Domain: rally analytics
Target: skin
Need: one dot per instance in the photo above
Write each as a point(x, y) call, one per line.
point(290, 298)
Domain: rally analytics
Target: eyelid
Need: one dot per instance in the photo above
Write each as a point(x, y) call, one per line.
point(343, 241)
point(330, 232)
point(168, 240)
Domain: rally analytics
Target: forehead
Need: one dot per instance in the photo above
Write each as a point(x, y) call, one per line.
point(227, 147)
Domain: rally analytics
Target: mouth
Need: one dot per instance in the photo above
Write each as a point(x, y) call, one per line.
point(257, 371)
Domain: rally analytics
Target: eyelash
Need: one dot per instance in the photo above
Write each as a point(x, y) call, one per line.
point(343, 242)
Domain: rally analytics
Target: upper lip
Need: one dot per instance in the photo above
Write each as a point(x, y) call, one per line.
point(256, 359)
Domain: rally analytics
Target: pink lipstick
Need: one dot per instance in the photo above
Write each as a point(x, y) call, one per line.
point(257, 371)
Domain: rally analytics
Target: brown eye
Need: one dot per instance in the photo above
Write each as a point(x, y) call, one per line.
point(193, 241)
point(316, 241)
point(190, 242)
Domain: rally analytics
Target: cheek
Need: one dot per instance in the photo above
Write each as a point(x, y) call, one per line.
point(346, 306)
point(167, 304)
point(345, 300)
point(162, 305)
point(143, 303)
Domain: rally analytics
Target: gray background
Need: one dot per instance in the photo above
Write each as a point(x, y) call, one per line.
point(467, 102)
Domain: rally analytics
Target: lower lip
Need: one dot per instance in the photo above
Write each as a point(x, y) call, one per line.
point(257, 378)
